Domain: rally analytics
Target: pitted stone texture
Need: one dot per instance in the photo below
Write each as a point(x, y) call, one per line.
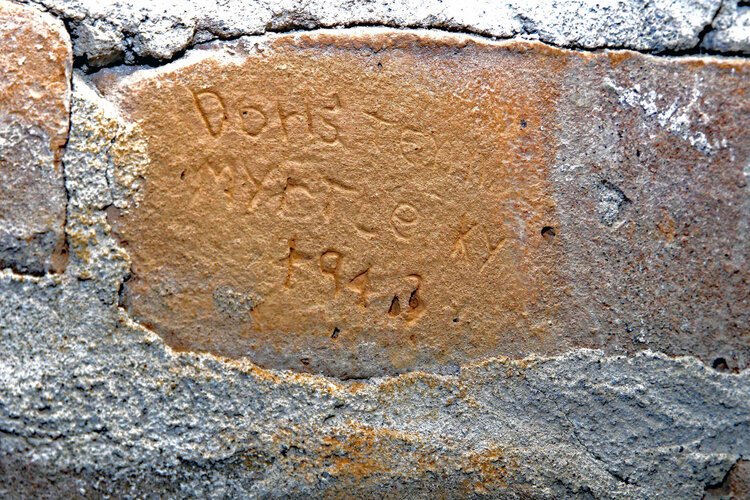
point(113, 30)
point(651, 188)
point(377, 201)
point(35, 66)
point(93, 404)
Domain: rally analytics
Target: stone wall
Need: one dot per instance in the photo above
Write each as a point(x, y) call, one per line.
point(374, 249)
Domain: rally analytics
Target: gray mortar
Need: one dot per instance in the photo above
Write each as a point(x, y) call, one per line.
point(93, 405)
point(108, 32)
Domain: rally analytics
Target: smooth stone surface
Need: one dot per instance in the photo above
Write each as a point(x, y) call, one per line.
point(35, 70)
point(380, 201)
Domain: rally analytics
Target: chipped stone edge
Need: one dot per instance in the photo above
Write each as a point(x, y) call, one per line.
point(255, 44)
point(512, 21)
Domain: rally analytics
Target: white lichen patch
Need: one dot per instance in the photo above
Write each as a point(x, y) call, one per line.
point(675, 114)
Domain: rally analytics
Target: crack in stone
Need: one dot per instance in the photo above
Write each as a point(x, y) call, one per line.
point(709, 26)
point(63, 169)
point(721, 487)
point(527, 32)
point(153, 62)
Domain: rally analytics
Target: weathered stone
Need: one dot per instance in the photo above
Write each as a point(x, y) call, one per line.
point(35, 66)
point(94, 405)
point(736, 483)
point(109, 31)
point(382, 201)
point(730, 29)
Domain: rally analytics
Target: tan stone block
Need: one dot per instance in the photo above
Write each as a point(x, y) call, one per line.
point(373, 202)
point(35, 66)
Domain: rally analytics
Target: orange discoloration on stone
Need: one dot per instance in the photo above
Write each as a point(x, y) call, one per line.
point(352, 206)
point(35, 67)
point(361, 458)
point(365, 203)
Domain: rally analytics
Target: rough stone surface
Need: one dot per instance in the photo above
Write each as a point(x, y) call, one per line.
point(35, 68)
point(93, 405)
point(736, 484)
point(373, 202)
point(730, 31)
point(114, 30)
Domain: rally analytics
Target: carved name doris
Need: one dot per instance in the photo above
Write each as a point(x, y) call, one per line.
point(353, 206)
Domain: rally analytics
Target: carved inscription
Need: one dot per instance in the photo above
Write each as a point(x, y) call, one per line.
point(211, 109)
point(360, 284)
point(417, 147)
point(254, 120)
point(310, 214)
point(310, 116)
point(404, 219)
